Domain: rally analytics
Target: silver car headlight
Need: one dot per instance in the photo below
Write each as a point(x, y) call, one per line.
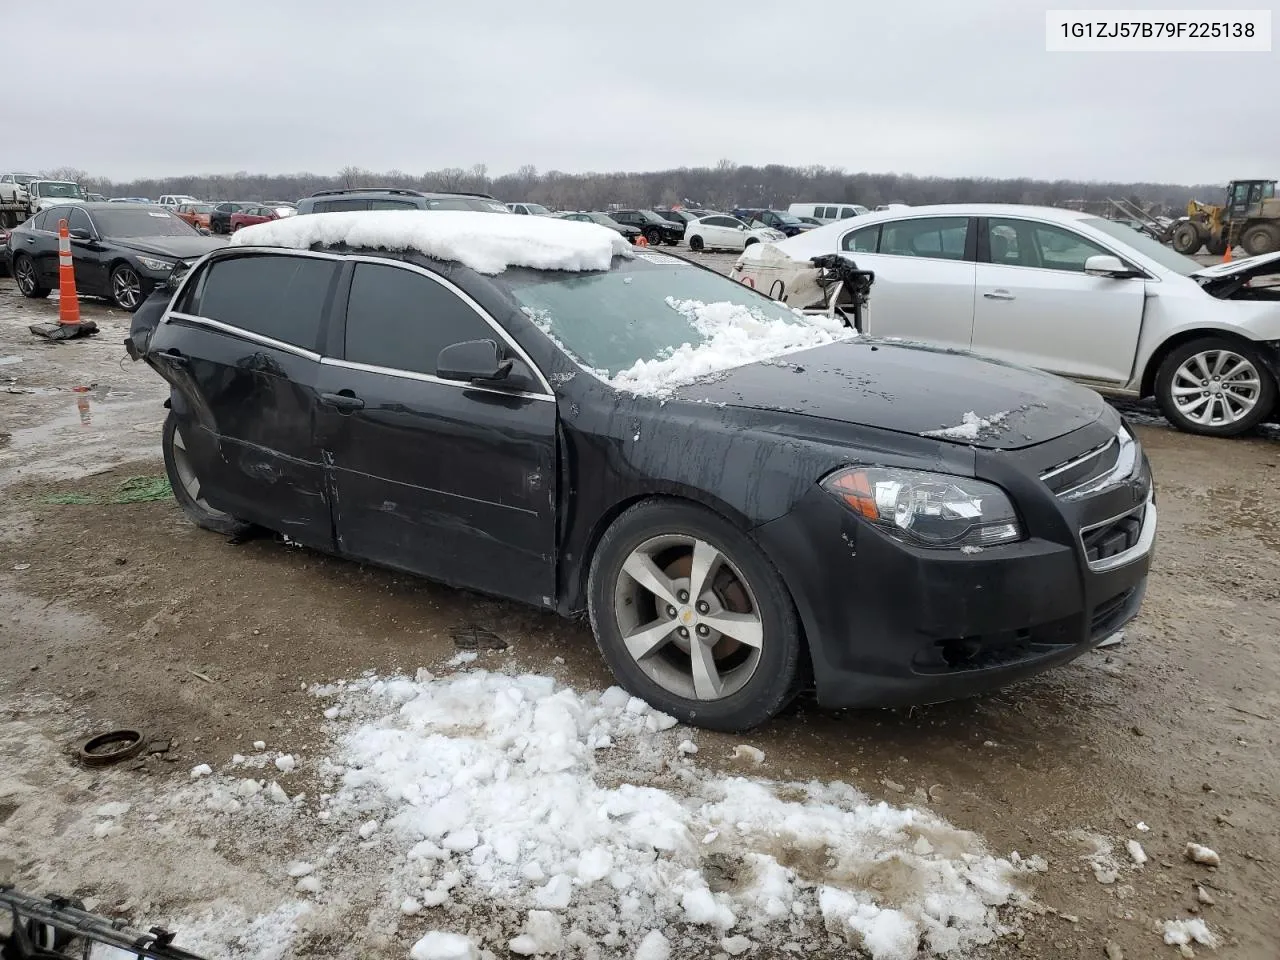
point(927, 509)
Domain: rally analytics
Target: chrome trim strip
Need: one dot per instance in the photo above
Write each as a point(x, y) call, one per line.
point(1146, 538)
point(428, 378)
point(1126, 466)
point(1076, 461)
point(465, 298)
point(243, 334)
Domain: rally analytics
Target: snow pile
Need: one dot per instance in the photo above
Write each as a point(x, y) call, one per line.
point(510, 794)
point(1182, 933)
point(971, 427)
point(486, 242)
point(733, 335)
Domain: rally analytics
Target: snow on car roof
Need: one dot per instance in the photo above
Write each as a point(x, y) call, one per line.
point(482, 241)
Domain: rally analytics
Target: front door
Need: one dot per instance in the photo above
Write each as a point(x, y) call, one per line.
point(453, 481)
point(241, 349)
point(1036, 306)
point(924, 271)
point(86, 256)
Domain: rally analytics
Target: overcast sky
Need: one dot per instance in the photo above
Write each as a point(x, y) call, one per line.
point(946, 87)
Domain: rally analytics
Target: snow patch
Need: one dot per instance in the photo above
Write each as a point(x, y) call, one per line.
point(1179, 933)
point(970, 428)
point(437, 945)
point(733, 335)
point(487, 243)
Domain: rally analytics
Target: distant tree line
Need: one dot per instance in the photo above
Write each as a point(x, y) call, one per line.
point(720, 187)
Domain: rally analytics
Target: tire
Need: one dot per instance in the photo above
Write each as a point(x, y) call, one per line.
point(8, 220)
point(696, 244)
point(1216, 246)
point(181, 476)
point(654, 236)
point(128, 289)
point(1224, 413)
point(756, 682)
point(1186, 238)
point(24, 274)
point(749, 242)
point(217, 227)
point(1261, 238)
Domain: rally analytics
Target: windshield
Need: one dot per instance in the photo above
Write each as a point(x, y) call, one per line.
point(611, 322)
point(651, 217)
point(58, 188)
point(605, 219)
point(197, 208)
point(1143, 244)
point(127, 222)
point(537, 209)
point(787, 218)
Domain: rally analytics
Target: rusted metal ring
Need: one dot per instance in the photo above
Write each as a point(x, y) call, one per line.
point(111, 747)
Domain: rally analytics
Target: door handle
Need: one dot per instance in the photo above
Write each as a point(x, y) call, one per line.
point(31, 239)
point(999, 295)
point(176, 358)
point(344, 401)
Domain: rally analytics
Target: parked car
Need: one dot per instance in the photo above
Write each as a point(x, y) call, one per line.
point(530, 209)
point(777, 219)
point(121, 252)
point(95, 198)
point(395, 198)
point(1070, 293)
point(722, 533)
point(727, 233)
point(43, 194)
point(827, 212)
point(681, 217)
point(4, 252)
point(628, 231)
point(175, 200)
point(220, 215)
point(259, 214)
point(128, 200)
point(196, 214)
point(656, 230)
point(812, 221)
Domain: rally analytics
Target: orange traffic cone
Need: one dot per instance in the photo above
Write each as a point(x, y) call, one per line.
point(1226, 256)
point(69, 324)
point(642, 241)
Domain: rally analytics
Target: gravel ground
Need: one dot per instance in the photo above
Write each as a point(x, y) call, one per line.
point(124, 614)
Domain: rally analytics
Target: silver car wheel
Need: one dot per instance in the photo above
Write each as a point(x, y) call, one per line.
point(126, 288)
point(186, 473)
point(688, 617)
point(1216, 387)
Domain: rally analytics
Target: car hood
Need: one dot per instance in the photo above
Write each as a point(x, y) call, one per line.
point(1238, 267)
point(910, 388)
point(179, 247)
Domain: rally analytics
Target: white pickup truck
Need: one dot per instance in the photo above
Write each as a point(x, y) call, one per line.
point(14, 200)
point(50, 193)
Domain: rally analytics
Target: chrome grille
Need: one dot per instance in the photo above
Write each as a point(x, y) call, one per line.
point(1096, 470)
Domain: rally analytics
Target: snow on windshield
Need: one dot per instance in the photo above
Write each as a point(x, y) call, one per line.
point(733, 335)
point(486, 243)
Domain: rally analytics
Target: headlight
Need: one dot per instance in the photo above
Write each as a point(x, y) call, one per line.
point(927, 509)
point(152, 264)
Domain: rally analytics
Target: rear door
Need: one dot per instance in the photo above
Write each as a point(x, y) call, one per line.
point(1036, 306)
point(924, 279)
point(241, 349)
point(724, 232)
point(453, 481)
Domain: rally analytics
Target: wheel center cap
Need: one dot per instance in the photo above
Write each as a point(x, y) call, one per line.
point(687, 616)
point(1216, 388)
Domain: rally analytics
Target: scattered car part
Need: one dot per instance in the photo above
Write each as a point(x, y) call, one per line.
point(114, 746)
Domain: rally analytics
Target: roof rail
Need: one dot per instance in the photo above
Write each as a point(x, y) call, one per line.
point(398, 190)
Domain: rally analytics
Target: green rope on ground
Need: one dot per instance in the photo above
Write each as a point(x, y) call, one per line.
point(132, 490)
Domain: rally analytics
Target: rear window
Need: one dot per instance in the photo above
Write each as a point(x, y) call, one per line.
point(273, 295)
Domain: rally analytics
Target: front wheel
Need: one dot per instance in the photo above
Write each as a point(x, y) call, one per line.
point(1216, 387)
point(695, 244)
point(24, 274)
point(1186, 238)
point(692, 617)
point(126, 288)
point(654, 236)
point(186, 485)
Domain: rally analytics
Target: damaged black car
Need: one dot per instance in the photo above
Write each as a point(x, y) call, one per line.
point(742, 504)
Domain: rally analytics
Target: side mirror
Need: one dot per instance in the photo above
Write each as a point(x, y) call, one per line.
point(742, 226)
point(1105, 265)
point(472, 360)
point(80, 233)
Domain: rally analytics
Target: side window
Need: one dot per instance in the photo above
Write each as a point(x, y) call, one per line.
point(1027, 244)
point(333, 206)
point(391, 205)
point(273, 295)
point(938, 237)
point(79, 220)
point(400, 319)
point(847, 212)
point(40, 221)
point(866, 240)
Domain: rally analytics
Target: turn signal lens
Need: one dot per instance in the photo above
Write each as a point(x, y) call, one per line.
point(927, 509)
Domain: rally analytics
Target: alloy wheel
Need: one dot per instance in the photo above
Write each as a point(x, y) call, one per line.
point(25, 274)
point(126, 288)
point(688, 617)
point(1216, 387)
point(186, 473)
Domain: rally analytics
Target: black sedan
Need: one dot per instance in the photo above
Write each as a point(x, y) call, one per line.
point(220, 215)
point(835, 516)
point(628, 231)
point(120, 251)
point(656, 229)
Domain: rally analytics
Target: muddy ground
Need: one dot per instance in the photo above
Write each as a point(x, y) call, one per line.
point(124, 614)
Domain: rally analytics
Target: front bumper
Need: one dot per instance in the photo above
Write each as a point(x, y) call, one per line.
point(893, 625)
